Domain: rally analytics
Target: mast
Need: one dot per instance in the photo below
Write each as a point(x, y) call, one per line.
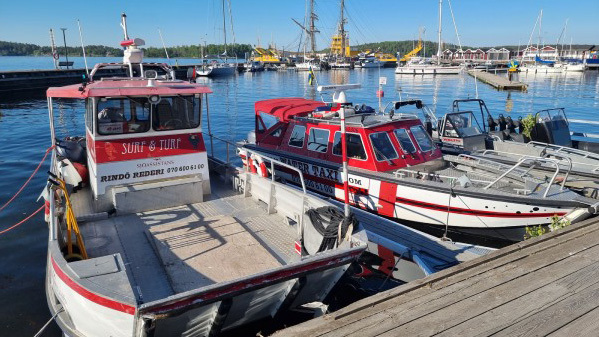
point(225, 29)
point(313, 29)
point(342, 29)
point(439, 42)
point(539, 42)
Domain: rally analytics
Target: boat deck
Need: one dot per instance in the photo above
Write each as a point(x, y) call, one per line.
point(547, 285)
point(174, 250)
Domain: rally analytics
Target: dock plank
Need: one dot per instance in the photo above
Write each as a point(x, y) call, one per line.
point(499, 82)
point(429, 319)
point(546, 260)
point(585, 325)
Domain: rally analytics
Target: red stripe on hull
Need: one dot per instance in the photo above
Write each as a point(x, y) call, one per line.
point(103, 301)
point(387, 194)
point(474, 212)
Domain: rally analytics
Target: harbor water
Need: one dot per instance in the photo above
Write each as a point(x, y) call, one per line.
point(24, 135)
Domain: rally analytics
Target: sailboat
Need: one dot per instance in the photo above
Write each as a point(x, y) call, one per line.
point(309, 63)
point(340, 46)
point(540, 66)
point(218, 67)
point(413, 68)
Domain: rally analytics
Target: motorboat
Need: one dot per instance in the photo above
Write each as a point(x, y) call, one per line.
point(397, 171)
point(502, 143)
point(216, 68)
point(369, 62)
point(147, 238)
point(428, 69)
point(308, 65)
point(253, 66)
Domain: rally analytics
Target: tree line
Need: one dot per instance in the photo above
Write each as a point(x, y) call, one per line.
point(189, 51)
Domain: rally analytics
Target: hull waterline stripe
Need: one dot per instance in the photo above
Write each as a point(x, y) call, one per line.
point(474, 212)
point(103, 301)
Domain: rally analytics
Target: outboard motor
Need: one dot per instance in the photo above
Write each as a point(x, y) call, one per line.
point(520, 125)
point(492, 123)
point(72, 148)
point(511, 126)
point(502, 122)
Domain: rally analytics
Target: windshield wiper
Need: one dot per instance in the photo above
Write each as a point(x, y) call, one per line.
point(377, 151)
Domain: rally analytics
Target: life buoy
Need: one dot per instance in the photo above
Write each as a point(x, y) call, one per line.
point(260, 166)
point(55, 55)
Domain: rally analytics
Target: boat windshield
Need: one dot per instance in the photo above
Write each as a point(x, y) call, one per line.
point(404, 140)
point(123, 115)
point(461, 124)
point(382, 146)
point(422, 138)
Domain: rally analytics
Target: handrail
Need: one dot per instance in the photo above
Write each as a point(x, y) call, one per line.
point(560, 148)
point(534, 160)
point(489, 161)
point(593, 168)
point(272, 160)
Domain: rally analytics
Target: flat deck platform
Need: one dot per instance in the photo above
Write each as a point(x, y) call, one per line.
point(499, 82)
point(178, 249)
point(547, 285)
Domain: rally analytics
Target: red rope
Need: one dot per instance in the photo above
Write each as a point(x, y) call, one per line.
point(28, 180)
point(22, 221)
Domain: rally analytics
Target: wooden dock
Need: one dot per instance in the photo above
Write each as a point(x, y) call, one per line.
point(499, 82)
point(547, 285)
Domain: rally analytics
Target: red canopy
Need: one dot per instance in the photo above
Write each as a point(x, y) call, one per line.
point(286, 108)
point(108, 88)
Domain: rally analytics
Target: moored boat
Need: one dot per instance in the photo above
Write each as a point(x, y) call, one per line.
point(398, 172)
point(145, 239)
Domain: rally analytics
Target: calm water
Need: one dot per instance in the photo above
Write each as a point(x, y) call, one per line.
point(24, 137)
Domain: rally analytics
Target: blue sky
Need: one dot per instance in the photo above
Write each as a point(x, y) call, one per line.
point(480, 22)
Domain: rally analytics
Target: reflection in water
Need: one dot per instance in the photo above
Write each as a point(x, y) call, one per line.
point(509, 104)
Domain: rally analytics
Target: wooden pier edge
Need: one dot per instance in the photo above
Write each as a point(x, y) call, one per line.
point(515, 252)
point(501, 83)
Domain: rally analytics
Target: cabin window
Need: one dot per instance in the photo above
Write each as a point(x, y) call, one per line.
point(89, 114)
point(461, 125)
point(318, 140)
point(382, 146)
point(266, 121)
point(355, 147)
point(123, 115)
point(297, 136)
point(404, 140)
point(278, 132)
point(422, 138)
point(176, 113)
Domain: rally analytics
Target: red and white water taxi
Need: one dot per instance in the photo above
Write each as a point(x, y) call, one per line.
point(146, 240)
point(395, 169)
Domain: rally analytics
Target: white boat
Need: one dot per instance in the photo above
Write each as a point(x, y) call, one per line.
point(540, 69)
point(369, 62)
point(574, 67)
point(428, 69)
point(149, 237)
point(308, 65)
point(341, 64)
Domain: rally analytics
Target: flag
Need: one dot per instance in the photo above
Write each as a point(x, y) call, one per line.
point(310, 76)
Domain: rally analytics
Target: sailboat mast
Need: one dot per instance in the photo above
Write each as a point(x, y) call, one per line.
point(312, 28)
point(225, 28)
point(439, 42)
point(342, 29)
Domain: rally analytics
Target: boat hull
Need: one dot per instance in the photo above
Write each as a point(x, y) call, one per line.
point(427, 203)
point(428, 70)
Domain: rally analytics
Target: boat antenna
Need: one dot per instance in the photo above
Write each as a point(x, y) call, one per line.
point(83, 48)
point(53, 46)
point(124, 25)
point(164, 46)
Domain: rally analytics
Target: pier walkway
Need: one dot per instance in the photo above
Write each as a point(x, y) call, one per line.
point(547, 285)
point(499, 82)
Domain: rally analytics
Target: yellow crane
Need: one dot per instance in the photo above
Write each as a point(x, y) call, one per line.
point(414, 51)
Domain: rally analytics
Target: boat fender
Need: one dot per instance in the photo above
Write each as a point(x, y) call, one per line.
point(82, 171)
